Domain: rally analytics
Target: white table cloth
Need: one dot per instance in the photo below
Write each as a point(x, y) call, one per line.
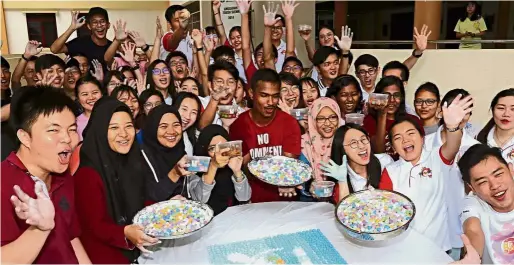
point(254, 221)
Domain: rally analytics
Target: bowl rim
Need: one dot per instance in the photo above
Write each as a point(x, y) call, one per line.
point(209, 208)
point(380, 233)
point(308, 168)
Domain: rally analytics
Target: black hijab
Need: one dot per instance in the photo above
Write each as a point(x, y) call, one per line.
point(121, 174)
point(161, 158)
point(222, 195)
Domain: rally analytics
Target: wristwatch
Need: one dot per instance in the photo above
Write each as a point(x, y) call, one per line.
point(243, 176)
point(453, 129)
point(414, 54)
point(145, 48)
point(199, 49)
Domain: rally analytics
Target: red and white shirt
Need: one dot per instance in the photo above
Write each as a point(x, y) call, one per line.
point(424, 183)
point(507, 150)
point(184, 46)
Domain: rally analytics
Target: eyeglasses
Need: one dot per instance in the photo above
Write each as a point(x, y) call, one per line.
point(176, 63)
point(73, 71)
point(157, 71)
point(150, 105)
point(230, 83)
point(292, 89)
point(354, 144)
point(428, 102)
point(326, 37)
point(396, 95)
point(292, 68)
point(332, 119)
point(370, 71)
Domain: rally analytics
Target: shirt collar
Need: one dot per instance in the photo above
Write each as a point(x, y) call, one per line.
point(57, 179)
point(425, 154)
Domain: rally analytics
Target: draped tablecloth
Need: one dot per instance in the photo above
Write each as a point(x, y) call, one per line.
point(254, 221)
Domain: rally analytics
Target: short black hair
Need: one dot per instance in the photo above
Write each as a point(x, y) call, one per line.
point(210, 30)
point(405, 72)
point(5, 63)
point(261, 46)
point(289, 79)
point(72, 63)
point(476, 154)
point(266, 76)
point(175, 54)
point(292, 59)
point(402, 119)
point(222, 66)
point(124, 89)
point(79, 54)
point(341, 82)
point(223, 51)
point(281, 18)
point(29, 103)
point(46, 61)
point(321, 55)
point(170, 12)
point(429, 87)
point(148, 93)
point(97, 11)
point(366, 59)
point(86, 80)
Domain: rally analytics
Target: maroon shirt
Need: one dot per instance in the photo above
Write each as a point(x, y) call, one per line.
point(103, 239)
point(57, 248)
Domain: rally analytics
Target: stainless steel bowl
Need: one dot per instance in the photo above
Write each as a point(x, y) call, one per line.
point(374, 237)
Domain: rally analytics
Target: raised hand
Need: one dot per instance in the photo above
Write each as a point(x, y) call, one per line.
point(208, 43)
point(196, 35)
point(422, 39)
point(158, 28)
point(137, 38)
point(331, 169)
point(98, 72)
point(270, 14)
point(472, 256)
point(120, 30)
point(183, 18)
point(216, 5)
point(131, 83)
point(244, 6)
point(345, 43)
point(33, 48)
point(47, 80)
point(128, 49)
point(141, 84)
point(455, 113)
point(39, 212)
point(305, 33)
point(288, 7)
point(114, 65)
point(193, 73)
point(284, 106)
point(235, 163)
point(77, 22)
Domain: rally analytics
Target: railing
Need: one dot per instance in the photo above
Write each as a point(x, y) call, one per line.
point(436, 42)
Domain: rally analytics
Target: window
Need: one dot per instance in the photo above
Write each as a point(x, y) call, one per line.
point(83, 31)
point(42, 27)
point(194, 20)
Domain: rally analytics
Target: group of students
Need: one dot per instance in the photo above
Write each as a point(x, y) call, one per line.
point(91, 141)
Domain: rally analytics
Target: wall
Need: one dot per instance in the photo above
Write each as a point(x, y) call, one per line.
point(450, 69)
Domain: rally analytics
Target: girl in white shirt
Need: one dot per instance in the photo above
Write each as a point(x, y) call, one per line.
point(188, 106)
point(353, 163)
point(421, 174)
point(499, 131)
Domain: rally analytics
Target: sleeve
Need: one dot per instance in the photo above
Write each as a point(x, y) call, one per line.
point(165, 40)
point(10, 229)
point(292, 137)
point(243, 190)
point(235, 134)
point(481, 24)
point(198, 190)
point(470, 208)
point(370, 125)
point(91, 209)
point(227, 43)
point(457, 27)
point(384, 159)
point(443, 159)
point(385, 181)
point(73, 46)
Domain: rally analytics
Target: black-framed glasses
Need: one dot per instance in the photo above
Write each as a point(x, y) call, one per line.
point(332, 119)
point(292, 68)
point(157, 71)
point(176, 63)
point(354, 144)
point(428, 102)
point(396, 95)
point(292, 89)
point(370, 71)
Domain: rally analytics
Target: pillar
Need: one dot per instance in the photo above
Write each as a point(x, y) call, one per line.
point(3, 29)
point(340, 14)
point(502, 27)
point(429, 13)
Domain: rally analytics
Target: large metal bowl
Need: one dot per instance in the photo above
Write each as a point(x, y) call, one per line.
point(367, 237)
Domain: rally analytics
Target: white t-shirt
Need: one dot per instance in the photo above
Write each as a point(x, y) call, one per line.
point(184, 46)
point(239, 65)
point(359, 182)
point(498, 230)
point(424, 183)
point(187, 143)
point(455, 191)
point(217, 118)
point(282, 55)
point(507, 151)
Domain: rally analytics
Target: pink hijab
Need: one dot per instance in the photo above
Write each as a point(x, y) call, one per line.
point(315, 148)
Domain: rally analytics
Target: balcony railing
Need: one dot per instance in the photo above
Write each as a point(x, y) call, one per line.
point(436, 42)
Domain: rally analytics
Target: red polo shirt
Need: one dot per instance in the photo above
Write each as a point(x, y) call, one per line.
point(57, 248)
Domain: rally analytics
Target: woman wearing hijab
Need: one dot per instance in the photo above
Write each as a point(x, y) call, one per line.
point(323, 120)
point(109, 187)
point(164, 152)
point(230, 179)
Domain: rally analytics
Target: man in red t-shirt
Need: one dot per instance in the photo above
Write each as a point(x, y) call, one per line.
point(266, 130)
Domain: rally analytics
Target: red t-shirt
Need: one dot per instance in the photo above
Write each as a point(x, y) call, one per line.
point(250, 71)
point(57, 248)
point(227, 43)
point(281, 136)
point(370, 125)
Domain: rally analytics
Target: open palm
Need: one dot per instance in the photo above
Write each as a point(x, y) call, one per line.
point(455, 113)
point(270, 14)
point(39, 212)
